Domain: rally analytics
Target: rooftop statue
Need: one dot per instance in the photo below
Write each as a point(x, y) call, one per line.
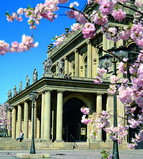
point(35, 75)
point(47, 67)
point(20, 86)
point(9, 94)
point(27, 81)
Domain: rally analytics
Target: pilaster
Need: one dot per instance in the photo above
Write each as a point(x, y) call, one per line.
point(76, 62)
point(89, 59)
point(42, 114)
point(110, 109)
point(47, 113)
point(25, 119)
point(99, 110)
point(13, 123)
point(19, 125)
point(59, 124)
point(66, 65)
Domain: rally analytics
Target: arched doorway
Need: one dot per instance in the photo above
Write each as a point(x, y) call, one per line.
point(72, 121)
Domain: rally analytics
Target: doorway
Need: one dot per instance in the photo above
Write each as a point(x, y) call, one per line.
point(73, 129)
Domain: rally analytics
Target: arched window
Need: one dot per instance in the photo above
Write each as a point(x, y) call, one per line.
point(85, 66)
point(73, 69)
point(100, 52)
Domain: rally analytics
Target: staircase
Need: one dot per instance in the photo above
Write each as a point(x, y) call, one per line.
point(82, 146)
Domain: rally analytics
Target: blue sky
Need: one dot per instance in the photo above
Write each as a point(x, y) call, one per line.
point(15, 66)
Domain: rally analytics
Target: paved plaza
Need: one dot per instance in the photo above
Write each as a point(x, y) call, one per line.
point(73, 154)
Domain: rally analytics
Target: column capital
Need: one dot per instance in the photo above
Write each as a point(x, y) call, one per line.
point(65, 58)
point(88, 42)
point(46, 91)
point(100, 93)
point(111, 95)
point(76, 50)
point(60, 91)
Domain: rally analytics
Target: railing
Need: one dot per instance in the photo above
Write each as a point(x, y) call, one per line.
point(88, 141)
point(75, 145)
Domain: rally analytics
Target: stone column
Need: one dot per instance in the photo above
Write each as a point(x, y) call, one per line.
point(9, 122)
point(59, 124)
point(76, 63)
point(99, 110)
point(38, 128)
point(89, 59)
point(52, 132)
point(19, 125)
point(42, 114)
point(35, 119)
point(66, 65)
point(104, 44)
point(13, 123)
point(25, 120)
point(121, 112)
point(47, 113)
point(110, 109)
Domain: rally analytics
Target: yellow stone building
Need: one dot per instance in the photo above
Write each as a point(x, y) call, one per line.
point(63, 92)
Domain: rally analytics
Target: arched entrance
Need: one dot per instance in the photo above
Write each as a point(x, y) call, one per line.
point(72, 121)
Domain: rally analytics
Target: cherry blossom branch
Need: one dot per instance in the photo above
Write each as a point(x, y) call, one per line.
point(130, 8)
point(77, 11)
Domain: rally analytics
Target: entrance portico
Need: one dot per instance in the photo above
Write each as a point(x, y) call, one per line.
point(58, 106)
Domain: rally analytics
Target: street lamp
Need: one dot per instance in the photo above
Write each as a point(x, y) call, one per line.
point(33, 96)
point(106, 62)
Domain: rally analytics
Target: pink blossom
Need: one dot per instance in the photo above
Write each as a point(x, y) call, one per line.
point(123, 66)
point(119, 15)
point(97, 80)
point(100, 19)
point(85, 110)
point(125, 95)
point(70, 14)
point(139, 3)
point(112, 89)
point(133, 123)
point(124, 35)
point(114, 78)
point(101, 71)
point(85, 120)
point(59, 40)
point(20, 11)
point(88, 30)
point(106, 6)
point(74, 4)
point(4, 47)
point(75, 26)
point(80, 17)
point(132, 146)
point(63, 1)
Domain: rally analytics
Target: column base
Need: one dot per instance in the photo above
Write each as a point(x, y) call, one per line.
point(99, 141)
point(59, 140)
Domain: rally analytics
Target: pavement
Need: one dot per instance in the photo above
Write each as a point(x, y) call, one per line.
point(73, 154)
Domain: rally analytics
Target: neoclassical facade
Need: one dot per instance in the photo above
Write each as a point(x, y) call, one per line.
point(67, 85)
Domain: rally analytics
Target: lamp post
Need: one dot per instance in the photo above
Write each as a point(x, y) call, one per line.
point(33, 96)
point(105, 62)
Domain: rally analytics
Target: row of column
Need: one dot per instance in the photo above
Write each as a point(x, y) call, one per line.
point(45, 117)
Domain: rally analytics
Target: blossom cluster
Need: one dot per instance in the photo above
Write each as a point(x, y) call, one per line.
point(98, 78)
point(3, 115)
point(25, 45)
point(117, 133)
point(85, 111)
